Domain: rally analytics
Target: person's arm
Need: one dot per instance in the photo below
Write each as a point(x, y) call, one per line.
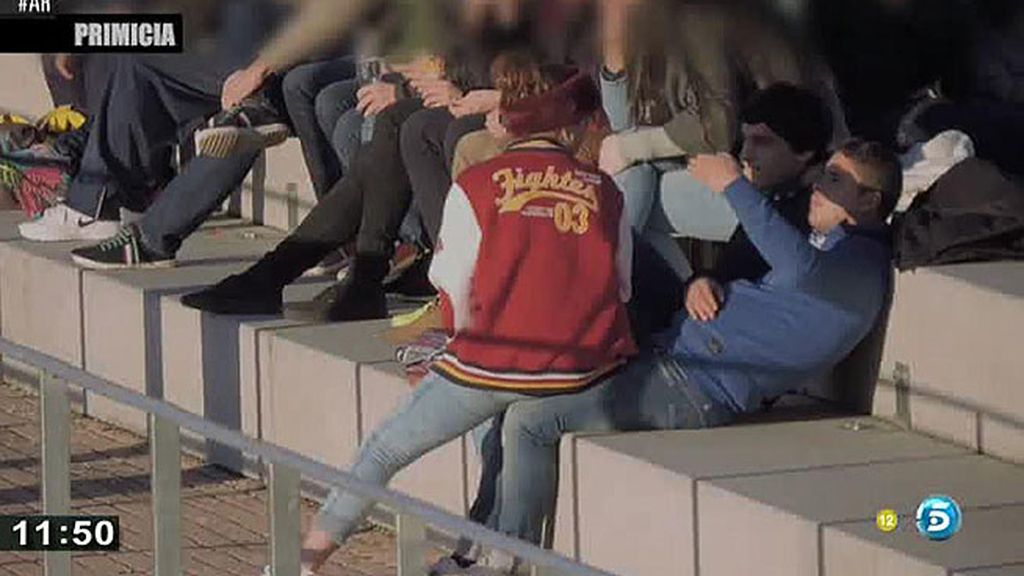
point(319, 24)
point(785, 248)
point(458, 244)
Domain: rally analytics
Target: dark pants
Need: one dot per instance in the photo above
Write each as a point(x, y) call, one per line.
point(366, 205)
point(190, 198)
point(313, 96)
point(85, 91)
point(149, 103)
point(429, 138)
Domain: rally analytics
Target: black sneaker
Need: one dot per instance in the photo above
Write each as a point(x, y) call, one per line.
point(123, 251)
point(252, 125)
point(359, 297)
point(236, 295)
point(342, 302)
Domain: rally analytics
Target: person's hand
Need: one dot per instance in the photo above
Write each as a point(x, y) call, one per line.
point(436, 93)
point(476, 102)
point(424, 67)
point(716, 171)
point(611, 160)
point(66, 65)
point(494, 125)
point(375, 98)
point(703, 299)
point(242, 84)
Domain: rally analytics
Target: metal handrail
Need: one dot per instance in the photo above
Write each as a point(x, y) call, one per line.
point(401, 504)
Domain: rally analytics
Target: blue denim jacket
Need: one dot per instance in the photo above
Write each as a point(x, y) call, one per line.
point(819, 300)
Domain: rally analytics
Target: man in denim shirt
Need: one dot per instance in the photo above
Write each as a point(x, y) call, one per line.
point(821, 296)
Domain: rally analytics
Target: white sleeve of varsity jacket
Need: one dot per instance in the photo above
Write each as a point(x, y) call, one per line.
point(455, 260)
point(624, 258)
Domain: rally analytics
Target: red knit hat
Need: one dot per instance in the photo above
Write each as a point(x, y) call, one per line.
point(570, 103)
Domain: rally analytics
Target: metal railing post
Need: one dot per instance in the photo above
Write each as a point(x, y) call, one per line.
point(55, 416)
point(412, 545)
point(165, 451)
point(285, 521)
point(287, 469)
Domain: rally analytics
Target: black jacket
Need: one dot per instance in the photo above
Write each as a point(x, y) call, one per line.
point(974, 213)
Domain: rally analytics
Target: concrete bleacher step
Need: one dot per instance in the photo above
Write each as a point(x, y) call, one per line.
point(325, 388)
point(42, 298)
point(647, 484)
point(990, 544)
point(210, 367)
point(121, 312)
point(779, 517)
point(952, 343)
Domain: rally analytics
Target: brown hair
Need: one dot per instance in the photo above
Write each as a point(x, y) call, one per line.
point(519, 75)
point(882, 171)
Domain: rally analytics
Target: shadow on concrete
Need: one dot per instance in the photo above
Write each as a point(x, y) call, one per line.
point(125, 485)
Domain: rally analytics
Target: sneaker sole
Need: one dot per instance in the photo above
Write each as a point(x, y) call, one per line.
point(225, 141)
point(92, 265)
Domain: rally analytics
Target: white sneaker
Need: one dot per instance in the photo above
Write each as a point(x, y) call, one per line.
point(62, 224)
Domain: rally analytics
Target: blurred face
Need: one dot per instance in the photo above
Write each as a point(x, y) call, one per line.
point(838, 186)
point(768, 160)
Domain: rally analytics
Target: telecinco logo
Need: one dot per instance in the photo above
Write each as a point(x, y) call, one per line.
point(938, 518)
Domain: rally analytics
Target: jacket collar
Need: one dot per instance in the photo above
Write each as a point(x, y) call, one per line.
point(537, 143)
point(827, 241)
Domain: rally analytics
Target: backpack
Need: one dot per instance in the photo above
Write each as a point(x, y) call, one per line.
point(973, 213)
point(37, 162)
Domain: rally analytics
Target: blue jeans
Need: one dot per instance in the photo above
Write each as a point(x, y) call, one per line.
point(302, 88)
point(652, 393)
point(662, 200)
point(144, 106)
point(204, 183)
point(437, 412)
point(339, 120)
point(189, 199)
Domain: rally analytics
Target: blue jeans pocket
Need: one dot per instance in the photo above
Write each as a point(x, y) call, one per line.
point(674, 402)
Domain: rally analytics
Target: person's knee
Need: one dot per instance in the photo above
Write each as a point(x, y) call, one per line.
point(326, 106)
point(524, 422)
point(412, 134)
point(296, 83)
point(393, 117)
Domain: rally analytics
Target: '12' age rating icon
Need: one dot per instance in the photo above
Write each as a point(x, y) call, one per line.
point(939, 518)
point(887, 520)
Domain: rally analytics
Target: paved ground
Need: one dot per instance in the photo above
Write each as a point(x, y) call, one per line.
point(224, 515)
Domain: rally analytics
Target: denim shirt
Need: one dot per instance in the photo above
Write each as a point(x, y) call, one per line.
point(820, 298)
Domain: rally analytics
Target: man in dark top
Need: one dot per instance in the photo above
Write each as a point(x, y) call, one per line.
point(786, 132)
